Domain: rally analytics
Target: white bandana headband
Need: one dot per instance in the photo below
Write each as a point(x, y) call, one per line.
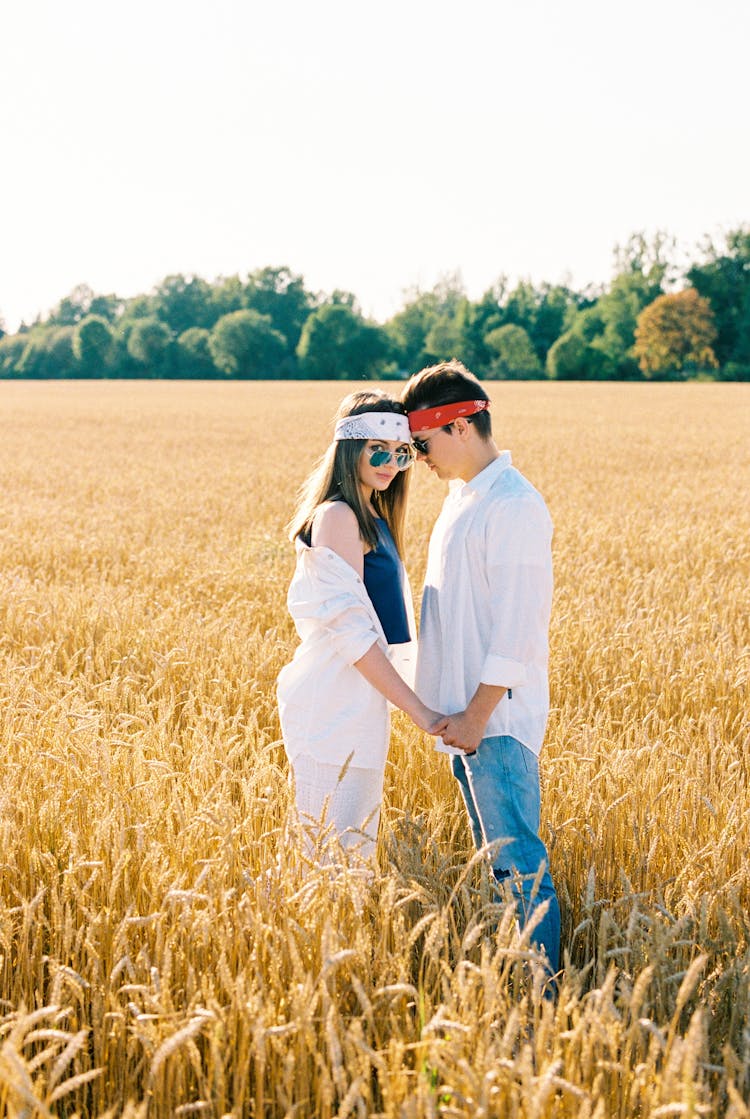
point(373, 425)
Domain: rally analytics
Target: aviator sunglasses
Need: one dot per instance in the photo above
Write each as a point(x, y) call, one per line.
point(404, 459)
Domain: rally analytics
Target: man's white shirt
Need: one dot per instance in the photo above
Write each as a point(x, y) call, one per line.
point(487, 602)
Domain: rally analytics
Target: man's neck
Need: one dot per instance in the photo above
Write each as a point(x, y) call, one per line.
point(481, 454)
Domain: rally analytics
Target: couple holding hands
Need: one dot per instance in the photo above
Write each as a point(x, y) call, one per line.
point(480, 684)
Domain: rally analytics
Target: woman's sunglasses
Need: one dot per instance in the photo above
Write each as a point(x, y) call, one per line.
point(404, 459)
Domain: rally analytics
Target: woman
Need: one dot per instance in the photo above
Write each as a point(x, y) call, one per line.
point(351, 604)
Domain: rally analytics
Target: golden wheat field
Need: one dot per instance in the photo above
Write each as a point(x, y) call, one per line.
point(165, 947)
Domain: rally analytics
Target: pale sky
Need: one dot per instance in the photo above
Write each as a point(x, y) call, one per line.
point(368, 146)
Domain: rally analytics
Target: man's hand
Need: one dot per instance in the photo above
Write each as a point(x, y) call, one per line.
point(464, 730)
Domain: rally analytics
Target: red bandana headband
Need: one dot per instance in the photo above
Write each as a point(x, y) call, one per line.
point(444, 414)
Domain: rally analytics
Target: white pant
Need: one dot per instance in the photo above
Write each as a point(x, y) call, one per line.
point(349, 802)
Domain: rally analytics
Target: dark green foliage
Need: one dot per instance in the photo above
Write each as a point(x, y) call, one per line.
point(515, 356)
point(408, 330)
point(11, 349)
point(244, 344)
point(724, 280)
point(269, 325)
point(338, 344)
point(608, 323)
point(282, 296)
point(93, 346)
point(540, 312)
point(181, 302)
point(149, 344)
point(54, 346)
point(572, 358)
point(194, 359)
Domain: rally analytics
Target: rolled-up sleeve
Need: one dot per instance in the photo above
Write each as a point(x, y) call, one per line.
point(323, 595)
point(519, 577)
point(349, 627)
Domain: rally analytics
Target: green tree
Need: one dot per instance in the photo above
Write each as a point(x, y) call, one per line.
point(650, 257)
point(433, 326)
point(447, 335)
point(11, 350)
point(48, 353)
point(408, 329)
point(642, 268)
point(572, 358)
point(245, 344)
point(139, 307)
point(675, 333)
point(723, 278)
point(554, 304)
point(542, 312)
point(73, 308)
point(108, 307)
point(182, 301)
point(282, 296)
point(515, 357)
point(227, 295)
point(149, 344)
point(93, 346)
point(194, 354)
point(338, 343)
point(483, 317)
point(82, 302)
point(61, 357)
point(521, 305)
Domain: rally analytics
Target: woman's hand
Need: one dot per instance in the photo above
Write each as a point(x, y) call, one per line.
point(432, 722)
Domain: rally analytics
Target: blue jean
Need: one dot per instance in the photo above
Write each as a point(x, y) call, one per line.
point(500, 787)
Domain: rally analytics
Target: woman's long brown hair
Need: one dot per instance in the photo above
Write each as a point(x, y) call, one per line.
point(336, 478)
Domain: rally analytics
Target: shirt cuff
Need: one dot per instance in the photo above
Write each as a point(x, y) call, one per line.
point(503, 672)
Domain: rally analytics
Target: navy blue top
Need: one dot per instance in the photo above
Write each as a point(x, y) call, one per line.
point(384, 582)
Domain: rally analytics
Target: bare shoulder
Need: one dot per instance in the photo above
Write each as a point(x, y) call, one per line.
point(336, 527)
point(335, 516)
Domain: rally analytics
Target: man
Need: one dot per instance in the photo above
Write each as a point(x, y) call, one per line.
point(483, 642)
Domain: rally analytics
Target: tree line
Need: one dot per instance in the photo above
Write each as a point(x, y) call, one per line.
point(649, 323)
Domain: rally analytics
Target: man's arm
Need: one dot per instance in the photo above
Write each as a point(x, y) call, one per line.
point(466, 728)
point(518, 567)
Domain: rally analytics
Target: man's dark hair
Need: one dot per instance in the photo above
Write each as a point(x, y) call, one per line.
point(447, 383)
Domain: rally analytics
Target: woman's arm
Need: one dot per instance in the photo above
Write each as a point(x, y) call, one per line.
point(335, 527)
point(378, 671)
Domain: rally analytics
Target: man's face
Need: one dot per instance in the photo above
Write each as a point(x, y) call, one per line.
point(440, 451)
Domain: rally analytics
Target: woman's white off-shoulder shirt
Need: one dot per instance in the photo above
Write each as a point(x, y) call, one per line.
point(327, 708)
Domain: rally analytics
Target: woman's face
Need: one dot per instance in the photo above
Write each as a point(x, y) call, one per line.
point(378, 476)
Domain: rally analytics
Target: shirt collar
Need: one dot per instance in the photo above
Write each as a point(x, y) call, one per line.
point(482, 482)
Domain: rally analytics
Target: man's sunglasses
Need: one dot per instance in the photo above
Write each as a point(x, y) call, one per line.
point(423, 445)
point(404, 459)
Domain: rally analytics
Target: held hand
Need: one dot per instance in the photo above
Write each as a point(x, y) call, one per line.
point(463, 731)
point(432, 722)
point(438, 725)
